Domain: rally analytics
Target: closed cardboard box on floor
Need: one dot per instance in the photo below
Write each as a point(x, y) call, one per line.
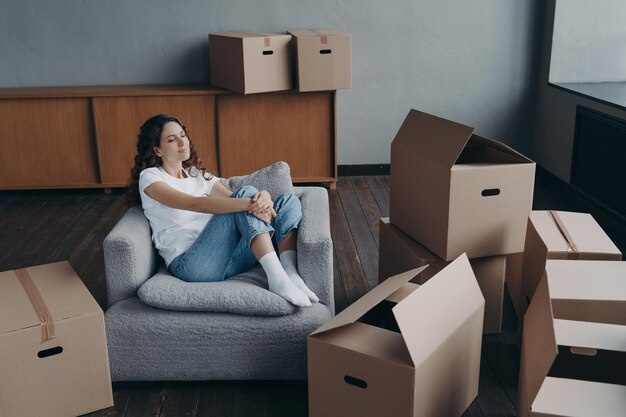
point(399, 252)
point(454, 191)
point(401, 350)
point(559, 235)
point(250, 62)
point(323, 59)
point(573, 359)
point(53, 351)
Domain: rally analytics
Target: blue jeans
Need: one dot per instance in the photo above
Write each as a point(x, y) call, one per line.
point(222, 249)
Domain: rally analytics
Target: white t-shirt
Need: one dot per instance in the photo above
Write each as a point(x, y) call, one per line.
point(174, 230)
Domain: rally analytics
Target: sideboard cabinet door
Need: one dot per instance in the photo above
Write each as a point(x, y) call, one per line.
point(117, 123)
point(259, 129)
point(46, 143)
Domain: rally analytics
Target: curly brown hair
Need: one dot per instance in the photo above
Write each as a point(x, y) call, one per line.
point(150, 137)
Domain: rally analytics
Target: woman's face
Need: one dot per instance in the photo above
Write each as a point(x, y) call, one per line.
point(174, 147)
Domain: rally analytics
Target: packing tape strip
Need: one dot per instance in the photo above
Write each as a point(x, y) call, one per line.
point(39, 305)
point(323, 37)
point(572, 252)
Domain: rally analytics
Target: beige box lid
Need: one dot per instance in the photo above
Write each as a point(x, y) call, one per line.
point(570, 397)
point(62, 291)
point(301, 33)
point(586, 280)
point(585, 233)
point(236, 34)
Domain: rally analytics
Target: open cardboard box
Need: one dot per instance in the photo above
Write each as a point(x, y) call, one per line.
point(248, 62)
point(323, 59)
point(402, 349)
point(398, 252)
point(58, 367)
point(454, 191)
point(559, 235)
point(569, 366)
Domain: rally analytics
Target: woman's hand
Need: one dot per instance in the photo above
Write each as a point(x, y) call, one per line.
point(261, 203)
point(266, 217)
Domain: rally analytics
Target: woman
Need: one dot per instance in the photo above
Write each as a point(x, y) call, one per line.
point(205, 232)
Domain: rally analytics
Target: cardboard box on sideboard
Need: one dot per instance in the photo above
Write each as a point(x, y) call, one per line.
point(399, 252)
point(248, 62)
point(573, 357)
point(454, 191)
point(559, 235)
point(323, 59)
point(402, 349)
point(53, 351)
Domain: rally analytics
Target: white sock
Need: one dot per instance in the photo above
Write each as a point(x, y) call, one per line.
point(279, 282)
point(289, 261)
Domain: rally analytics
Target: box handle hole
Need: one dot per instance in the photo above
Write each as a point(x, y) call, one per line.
point(268, 52)
point(325, 51)
point(583, 351)
point(355, 381)
point(490, 192)
point(49, 352)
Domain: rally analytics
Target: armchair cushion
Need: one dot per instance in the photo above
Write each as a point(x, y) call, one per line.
point(276, 179)
point(245, 294)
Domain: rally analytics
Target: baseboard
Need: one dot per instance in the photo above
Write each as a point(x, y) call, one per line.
point(354, 170)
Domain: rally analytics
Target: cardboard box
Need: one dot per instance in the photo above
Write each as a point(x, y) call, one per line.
point(574, 348)
point(323, 59)
point(250, 62)
point(401, 350)
point(60, 367)
point(559, 235)
point(454, 191)
point(399, 252)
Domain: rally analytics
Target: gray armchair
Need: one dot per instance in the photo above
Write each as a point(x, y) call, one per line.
point(147, 343)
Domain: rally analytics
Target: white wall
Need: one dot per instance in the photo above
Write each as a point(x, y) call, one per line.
point(469, 61)
point(589, 41)
point(555, 112)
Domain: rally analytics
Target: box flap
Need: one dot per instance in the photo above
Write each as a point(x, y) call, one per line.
point(361, 306)
point(570, 397)
point(437, 139)
point(539, 348)
point(316, 32)
point(438, 308)
point(590, 335)
point(586, 280)
point(62, 291)
point(501, 147)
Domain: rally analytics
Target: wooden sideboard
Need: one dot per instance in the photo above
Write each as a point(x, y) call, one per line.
point(85, 137)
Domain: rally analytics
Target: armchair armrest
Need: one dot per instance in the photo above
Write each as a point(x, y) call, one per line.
point(129, 256)
point(315, 246)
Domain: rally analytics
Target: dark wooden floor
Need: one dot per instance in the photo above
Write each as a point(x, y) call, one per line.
point(39, 227)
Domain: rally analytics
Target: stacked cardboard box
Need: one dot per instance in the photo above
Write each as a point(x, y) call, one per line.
point(555, 235)
point(385, 355)
point(454, 192)
point(53, 350)
point(248, 62)
point(398, 253)
point(573, 357)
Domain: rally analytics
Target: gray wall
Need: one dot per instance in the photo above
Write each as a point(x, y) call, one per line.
point(555, 115)
point(470, 61)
